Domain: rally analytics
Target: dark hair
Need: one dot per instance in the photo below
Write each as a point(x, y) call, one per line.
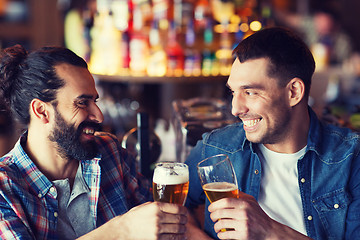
point(25, 76)
point(288, 54)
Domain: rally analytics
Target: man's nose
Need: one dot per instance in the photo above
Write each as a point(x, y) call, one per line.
point(95, 114)
point(238, 105)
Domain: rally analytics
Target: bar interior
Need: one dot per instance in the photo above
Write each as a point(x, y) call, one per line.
point(161, 66)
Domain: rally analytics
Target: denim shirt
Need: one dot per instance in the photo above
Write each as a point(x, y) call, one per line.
point(329, 176)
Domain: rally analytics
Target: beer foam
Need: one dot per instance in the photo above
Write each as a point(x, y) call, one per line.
point(219, 187)
point(163, 176)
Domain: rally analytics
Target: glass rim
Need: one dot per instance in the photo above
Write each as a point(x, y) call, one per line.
point(214, 156)
point(165, 163)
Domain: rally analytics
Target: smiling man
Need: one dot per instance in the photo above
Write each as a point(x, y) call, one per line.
point(64, 179)
point(299, 177)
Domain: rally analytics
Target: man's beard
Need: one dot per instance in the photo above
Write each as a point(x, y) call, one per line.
point(68, 139)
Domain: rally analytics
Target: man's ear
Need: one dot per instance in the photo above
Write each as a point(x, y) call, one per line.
point(39, 110)
point(296, 88)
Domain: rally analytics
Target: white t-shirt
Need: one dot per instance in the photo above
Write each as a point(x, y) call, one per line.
point(279, 193)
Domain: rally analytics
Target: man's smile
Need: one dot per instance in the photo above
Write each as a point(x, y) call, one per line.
point(88, 131)
point(251, 122)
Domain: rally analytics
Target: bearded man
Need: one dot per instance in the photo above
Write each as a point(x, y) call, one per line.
point(63, 179)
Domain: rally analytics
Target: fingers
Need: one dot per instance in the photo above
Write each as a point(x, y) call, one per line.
point(171, 208)
point(229, 225)
point(172, 237)
point(229, 214)
point(232, 202)
point(172, 228)
point(172, 219)
point(229, 235)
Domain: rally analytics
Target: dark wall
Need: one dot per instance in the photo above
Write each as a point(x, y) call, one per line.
point(351, 20)
point(349, 16)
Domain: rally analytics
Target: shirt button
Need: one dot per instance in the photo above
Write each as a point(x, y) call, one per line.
point(309, 218)
point(256, 172)
point(39, 195)
point(55, 214)
point(336, 206)
point(52, 189)
point(302, 180)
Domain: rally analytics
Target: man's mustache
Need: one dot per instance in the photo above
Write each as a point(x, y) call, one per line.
point(94, 125)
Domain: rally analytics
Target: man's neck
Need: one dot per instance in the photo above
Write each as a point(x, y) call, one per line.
point(297, 133)
point(46, 157)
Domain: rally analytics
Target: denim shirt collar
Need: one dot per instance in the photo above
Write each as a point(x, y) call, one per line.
point(314, 132)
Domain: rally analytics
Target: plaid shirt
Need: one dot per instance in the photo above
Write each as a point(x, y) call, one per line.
point(28, 205)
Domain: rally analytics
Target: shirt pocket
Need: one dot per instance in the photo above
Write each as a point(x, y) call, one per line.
point(332, 209)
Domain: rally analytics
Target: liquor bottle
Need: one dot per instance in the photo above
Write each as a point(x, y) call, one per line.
point(162, 13)
point(157, 59)
point(122, 14)
point(104, 59)
point(125, 53)
point(208, 66)
point(201, 13)
point(175, 53)
point(192, 64)
point(183, 13)
point(224, 54)
point(139, 45)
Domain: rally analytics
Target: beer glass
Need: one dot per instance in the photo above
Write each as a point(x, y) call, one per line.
point(171, 182)
point(218, 178)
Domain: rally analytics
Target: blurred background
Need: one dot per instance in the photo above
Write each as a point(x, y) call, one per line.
point(170, 59)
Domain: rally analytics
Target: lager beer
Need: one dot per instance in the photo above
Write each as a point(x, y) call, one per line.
point(217, 190)
point(218, 179)
point(171, 183)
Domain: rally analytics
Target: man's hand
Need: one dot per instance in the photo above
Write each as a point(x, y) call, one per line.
point(248, 220)
point(154, 221)
point(151, 220)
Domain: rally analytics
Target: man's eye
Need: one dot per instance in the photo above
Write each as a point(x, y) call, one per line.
point(250, 93)
point(83, 103)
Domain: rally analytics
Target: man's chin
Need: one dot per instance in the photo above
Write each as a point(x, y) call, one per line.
point(86, 151)
point(251, 137)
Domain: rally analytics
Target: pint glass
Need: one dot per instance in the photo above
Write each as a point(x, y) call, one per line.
point(218, 178)
point(171, 182)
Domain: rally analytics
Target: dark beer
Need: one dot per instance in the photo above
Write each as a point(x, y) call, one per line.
point(217, 190)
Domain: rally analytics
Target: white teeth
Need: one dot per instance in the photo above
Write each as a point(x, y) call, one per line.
point(250, 123)
point(88, 131)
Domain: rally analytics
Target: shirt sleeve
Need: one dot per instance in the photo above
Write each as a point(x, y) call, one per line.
point(353, 215)
point(11, 212)
point(137, 187)
point(196, 195)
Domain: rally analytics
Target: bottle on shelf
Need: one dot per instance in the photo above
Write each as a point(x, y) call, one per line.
point(103, 59)
point(125, 53)
point(192, 64)
point(157, 59)
point(162, 13)
point(175, 53)
point(183, 13)
point(202, 13)
point(138, 45)
point(208, 66)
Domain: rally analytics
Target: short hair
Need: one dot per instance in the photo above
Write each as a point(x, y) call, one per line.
point(288, 55)
point(25, 76)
